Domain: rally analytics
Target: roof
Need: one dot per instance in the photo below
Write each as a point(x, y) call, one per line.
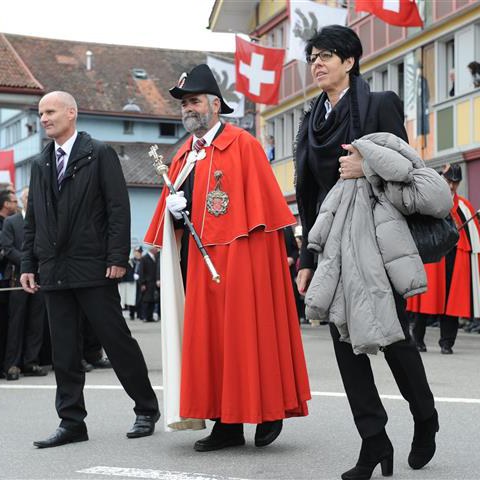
point(110, 84)
point(137, 166)
point(14, 74)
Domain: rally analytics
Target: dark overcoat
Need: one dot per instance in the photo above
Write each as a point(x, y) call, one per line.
point(74, 233)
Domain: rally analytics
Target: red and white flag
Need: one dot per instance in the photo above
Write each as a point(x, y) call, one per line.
point(258, 71)
point(403, 13)
point(7, 167)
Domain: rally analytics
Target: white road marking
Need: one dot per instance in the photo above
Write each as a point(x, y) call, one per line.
point(160, 387)
point(156, 474)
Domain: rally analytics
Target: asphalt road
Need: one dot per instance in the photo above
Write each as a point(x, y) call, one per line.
point(318, 447)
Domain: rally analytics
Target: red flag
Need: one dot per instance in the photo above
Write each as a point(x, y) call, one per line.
point(7, 167)
point(258, 71)
point(403, 13)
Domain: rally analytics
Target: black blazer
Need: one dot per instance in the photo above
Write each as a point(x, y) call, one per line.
point(148, 275)
point(379, 112)
point(11, 240)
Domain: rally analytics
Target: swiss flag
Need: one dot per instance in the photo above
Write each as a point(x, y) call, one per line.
point(403, 13)
point(258, 71)
point(7, 167)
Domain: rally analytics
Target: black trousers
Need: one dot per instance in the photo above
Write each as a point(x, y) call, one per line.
point(101, 307)
point(3, 322)
point(25, 328)
point(92, 348)
point(407, 368)
point(448, 324)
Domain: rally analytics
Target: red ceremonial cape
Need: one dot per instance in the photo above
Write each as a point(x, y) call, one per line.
point(456, 302)
point(242, 354)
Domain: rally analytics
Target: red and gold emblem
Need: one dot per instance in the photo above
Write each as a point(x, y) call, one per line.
point(217, 200)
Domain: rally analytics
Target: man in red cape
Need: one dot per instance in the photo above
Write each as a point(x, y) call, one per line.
point(241, 357)
point(454, 282)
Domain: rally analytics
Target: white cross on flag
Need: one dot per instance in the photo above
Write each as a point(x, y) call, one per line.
point(258, 71)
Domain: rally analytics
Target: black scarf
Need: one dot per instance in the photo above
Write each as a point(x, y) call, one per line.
point(325, 137)
point(318, 146)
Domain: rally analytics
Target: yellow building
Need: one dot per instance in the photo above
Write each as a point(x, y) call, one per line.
point(427, 67)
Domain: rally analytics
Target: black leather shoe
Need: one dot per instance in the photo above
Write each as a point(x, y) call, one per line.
point(423, 444)
point(34, 370)
point(13, 373)
point(446, 350)
point(62, 436)
point(85, 366)
point(144, 426)
point(267, 432)
point(102, 363)
point(223, 435)
point(375, 450)
point(421, 347)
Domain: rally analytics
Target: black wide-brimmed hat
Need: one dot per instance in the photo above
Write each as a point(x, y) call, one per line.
point(453, 173)
point(199, 80)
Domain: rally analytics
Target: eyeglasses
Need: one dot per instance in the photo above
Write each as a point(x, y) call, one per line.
point(324, 55)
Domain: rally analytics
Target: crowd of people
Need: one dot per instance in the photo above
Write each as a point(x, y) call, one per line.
point(343, 267)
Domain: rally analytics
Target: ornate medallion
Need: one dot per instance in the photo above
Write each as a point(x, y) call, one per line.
point(217, 201)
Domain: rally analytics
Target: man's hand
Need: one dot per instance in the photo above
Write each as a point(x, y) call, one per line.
point(158, 283)
point(27, 280)
point(143, 288)
point(176, 202)
point(115, 272)
point(290, 261)
point(351, 165)
point(303, 279)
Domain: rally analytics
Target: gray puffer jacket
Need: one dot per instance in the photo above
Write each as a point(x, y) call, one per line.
point(364, 244)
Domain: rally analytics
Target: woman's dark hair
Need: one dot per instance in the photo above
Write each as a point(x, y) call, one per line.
point(474, 67)
point(342, 40)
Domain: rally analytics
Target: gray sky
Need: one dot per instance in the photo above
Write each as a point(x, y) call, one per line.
point(152, 23)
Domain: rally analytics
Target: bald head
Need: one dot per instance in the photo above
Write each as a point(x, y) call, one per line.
point(58, 115)
point(64, 98)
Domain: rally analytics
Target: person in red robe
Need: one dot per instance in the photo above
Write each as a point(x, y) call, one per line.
point(241, 357)
point(453, 282)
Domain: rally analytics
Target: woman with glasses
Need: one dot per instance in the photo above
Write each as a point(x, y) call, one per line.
point(344, 111)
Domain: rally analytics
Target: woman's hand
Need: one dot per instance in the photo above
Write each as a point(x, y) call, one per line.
point(351, 165)
point(304, 277)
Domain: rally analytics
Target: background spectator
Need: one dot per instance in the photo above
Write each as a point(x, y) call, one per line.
point(474, 68)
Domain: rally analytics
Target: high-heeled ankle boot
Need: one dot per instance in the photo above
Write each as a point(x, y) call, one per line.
point(423, 444)
point(375, 450)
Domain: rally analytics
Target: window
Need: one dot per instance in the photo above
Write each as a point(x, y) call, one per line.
point(446, 69)
point(450, 64)
point(400, 88)
point(283, 128)
point(139, 73)
point(128, 127)
point(167, 130)
point(13, 133)
point(384, 80)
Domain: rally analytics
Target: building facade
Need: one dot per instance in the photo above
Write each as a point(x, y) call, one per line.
point(123, 100)
point(427, 67)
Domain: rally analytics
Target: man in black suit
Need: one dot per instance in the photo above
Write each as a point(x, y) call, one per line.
point(149, 280)
point(26, 312)
point(77, 230)
point(8, 206)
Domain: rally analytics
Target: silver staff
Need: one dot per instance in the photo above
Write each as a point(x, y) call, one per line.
point(476, 214)
point(162, 170)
